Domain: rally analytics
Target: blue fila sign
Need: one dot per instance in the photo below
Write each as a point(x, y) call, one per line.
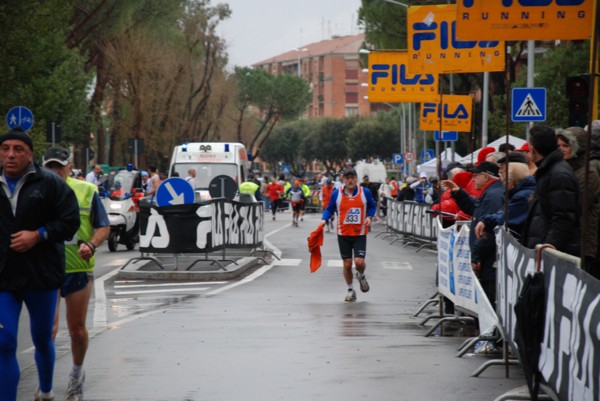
point(453, 114)
point(528, 3)
point(457, 111)
point(390, 80)
point(397, 75)
point(524, 19)
point(445, 36)
point(434, 46)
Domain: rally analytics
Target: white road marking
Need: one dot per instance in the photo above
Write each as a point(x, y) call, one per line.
point(116, 262)
point(393, 265)
point(335, 263)
point(100, 320)
point(169, 290)
point(169, 284)
point(287, 262)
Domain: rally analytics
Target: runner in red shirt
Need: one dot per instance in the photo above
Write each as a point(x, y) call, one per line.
point(355, 207)
point(275, 193)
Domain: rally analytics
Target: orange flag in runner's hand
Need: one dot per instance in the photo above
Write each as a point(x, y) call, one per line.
point(315, 241)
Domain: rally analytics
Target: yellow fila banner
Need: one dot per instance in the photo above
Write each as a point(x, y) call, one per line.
point(524, 19)
point(455, 113)
point(389, 80)
point(434, 48)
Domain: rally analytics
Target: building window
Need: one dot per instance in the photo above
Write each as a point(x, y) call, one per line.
point(351, 111)
point(351, 97)
point(351, 74)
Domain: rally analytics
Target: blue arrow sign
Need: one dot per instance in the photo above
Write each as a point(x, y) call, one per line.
point(285, 169)
point(20, 115)
point(528, 104)
point(447, 136)
point(397, 158)
point(174, 191)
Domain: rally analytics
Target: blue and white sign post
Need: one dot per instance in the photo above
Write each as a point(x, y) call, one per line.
point(20, 115)
point(447, 136)
point(174, 191)
point(397, 158)
point(528, 105)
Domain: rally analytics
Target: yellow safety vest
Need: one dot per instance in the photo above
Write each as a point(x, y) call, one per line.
point(248, 187)
point(84, 191)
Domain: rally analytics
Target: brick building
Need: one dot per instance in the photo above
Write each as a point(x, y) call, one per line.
point(332, 69)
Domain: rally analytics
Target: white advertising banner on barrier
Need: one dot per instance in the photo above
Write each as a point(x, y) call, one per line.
point(456, 280)
point(445, 244)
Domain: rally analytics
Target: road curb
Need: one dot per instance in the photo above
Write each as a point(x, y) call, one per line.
point(230, 271)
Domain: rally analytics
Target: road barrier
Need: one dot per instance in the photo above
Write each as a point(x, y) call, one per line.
point(201, 228)
point(569, 358)
point(409, 222)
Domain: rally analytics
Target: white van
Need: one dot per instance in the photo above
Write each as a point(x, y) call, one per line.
point(209, 159)
point(376, 171)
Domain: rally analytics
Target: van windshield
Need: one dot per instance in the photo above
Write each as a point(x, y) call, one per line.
point(205, 172)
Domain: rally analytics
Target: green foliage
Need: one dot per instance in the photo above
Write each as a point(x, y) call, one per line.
point(39, 71)
point(285, 145)
point(370, 138)
point(384, 24)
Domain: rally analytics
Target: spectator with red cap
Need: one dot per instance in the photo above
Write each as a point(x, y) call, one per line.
point(530, 162)
point(483, 154)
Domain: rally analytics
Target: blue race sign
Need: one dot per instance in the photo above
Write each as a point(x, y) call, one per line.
point(528, 104)
point(174, 191)
point(20, 115)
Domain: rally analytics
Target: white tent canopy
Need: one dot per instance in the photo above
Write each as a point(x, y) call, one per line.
point(430, 167)
point(472, 158)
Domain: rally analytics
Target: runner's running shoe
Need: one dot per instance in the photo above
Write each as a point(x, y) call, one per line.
point(38, 397)
point(362, 280)
point(75, 388)
point(350, 296)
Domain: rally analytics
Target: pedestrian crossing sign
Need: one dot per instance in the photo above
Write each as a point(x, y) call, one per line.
point(528, 104)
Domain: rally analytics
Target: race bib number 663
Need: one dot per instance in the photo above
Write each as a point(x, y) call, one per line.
point(353, 216)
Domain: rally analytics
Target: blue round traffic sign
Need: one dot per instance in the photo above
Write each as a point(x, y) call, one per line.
point(174, 191)
point(20, 115)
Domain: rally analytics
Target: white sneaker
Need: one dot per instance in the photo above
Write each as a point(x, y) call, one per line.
point(362, 280)
point(350, 296)
point(38, 397)
point(75, 388)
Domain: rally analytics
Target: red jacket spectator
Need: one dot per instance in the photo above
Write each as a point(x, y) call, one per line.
point(447, 204)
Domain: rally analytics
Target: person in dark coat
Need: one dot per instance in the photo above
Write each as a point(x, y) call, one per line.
point(483, 250)
point(572, 142)
point(38, 213)
point(520, 186)
point(406, 193)
point(553, 216)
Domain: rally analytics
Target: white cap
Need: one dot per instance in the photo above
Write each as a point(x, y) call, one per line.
point(423, 174)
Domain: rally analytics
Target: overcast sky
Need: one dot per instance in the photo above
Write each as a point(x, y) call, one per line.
point(260, 29)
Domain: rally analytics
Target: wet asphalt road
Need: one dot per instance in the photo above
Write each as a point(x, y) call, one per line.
point(280, 333)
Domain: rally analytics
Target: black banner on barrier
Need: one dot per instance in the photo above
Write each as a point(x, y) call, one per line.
point(570, 352)
point(205, 227)
point(514, 264)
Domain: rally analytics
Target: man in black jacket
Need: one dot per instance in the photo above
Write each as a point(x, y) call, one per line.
point(38, 212)
point(483, 250)
point(553, 216)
